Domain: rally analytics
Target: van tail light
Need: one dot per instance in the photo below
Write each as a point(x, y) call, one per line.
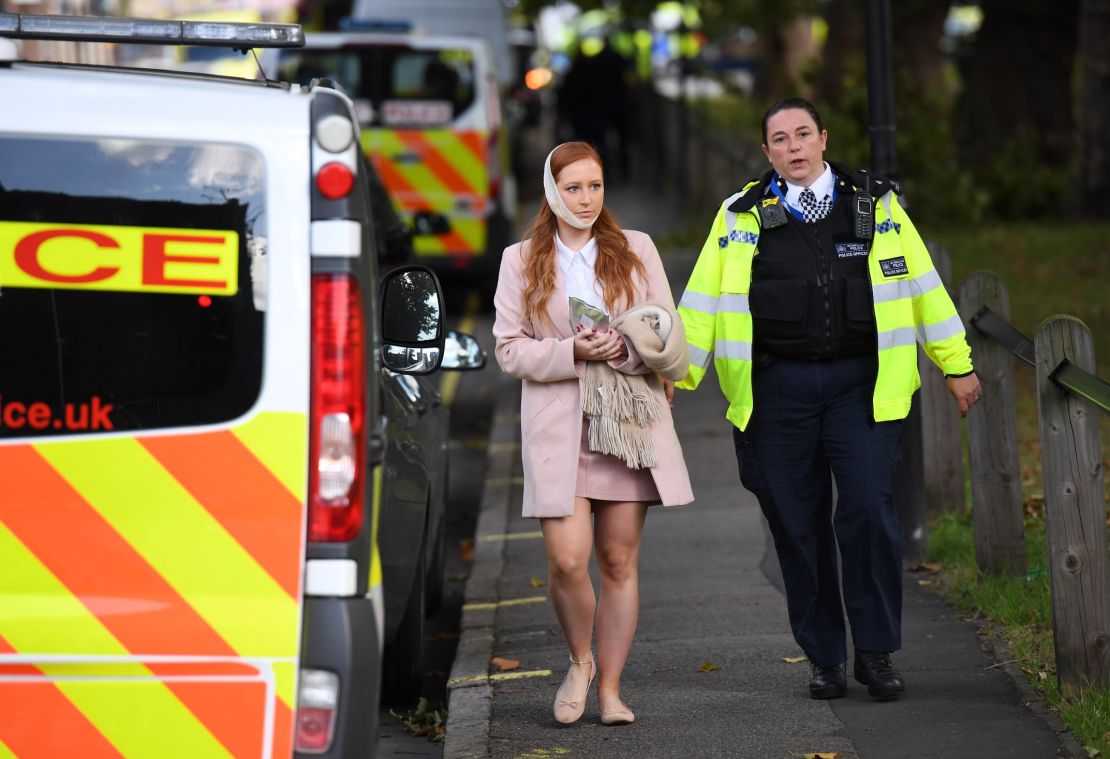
point(317, 698)
point(337, 463)
point(335, 180)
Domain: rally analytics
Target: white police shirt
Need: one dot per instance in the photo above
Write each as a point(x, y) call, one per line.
point(822, 186)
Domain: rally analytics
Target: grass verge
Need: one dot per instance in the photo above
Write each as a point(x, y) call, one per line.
point(1020, 609)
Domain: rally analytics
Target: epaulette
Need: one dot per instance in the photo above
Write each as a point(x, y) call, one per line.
point(754, 193)
point(879, 183)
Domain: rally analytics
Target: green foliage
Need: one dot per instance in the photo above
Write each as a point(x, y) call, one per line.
point(1020, 186)
point(425, 720)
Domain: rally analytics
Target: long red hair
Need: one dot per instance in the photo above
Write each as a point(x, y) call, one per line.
point(615, 259)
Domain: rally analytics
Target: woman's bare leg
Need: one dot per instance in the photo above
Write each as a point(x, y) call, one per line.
point(617, 531)
point(568, 541)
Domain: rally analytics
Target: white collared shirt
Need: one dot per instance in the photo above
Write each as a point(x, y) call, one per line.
point(577, 268)
point(821, 187)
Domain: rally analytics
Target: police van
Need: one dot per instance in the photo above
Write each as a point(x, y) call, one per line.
point(431, 117)
point(193, 335)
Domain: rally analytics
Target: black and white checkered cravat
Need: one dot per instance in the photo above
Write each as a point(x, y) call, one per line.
point(812, 209)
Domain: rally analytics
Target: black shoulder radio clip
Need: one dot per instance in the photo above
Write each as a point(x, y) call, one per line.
point(864, 211)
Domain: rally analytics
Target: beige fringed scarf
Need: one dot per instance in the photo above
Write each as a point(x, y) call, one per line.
point(621, 407)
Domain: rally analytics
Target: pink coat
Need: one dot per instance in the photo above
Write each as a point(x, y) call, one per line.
point(542, 355)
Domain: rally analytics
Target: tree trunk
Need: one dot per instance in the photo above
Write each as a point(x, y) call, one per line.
point(1019, 80)
point(1093, 170)
point(917, 28)
point(846, 39)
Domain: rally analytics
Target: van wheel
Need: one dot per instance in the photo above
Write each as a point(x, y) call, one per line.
point(435, 579)
point(403, 659)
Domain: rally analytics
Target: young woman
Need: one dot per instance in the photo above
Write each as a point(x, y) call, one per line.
point(584, 498)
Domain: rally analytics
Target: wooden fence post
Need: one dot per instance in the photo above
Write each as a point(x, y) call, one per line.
point(1079, 568)
point(941, 427)
point(992, 437)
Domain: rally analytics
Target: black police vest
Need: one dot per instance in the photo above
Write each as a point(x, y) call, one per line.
point(810, 294)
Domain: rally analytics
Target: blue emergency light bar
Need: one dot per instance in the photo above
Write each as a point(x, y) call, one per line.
point(149, 31)
point(389, 25)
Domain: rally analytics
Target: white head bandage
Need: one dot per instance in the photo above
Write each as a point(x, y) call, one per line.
point(555, 200)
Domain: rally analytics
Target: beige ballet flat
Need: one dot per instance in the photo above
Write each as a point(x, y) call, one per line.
point(619, 717)
point(567, 708)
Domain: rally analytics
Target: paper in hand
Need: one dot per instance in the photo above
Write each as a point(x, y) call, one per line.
point(585, 316)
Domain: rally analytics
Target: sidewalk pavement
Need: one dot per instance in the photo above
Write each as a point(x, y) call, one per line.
point(710, 595)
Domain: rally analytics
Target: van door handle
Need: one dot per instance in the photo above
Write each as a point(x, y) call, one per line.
point(407, 157)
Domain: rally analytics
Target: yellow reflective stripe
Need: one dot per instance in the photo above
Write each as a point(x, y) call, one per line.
point(182, 542)
point(285, 681)
point(5, 752)
point(416, 173)
point(142, 719)
point(460, 156)
point(280, 441)
point(425, 245)
point(471, 230)
point(49, 619)
point(39, 614)
point(375, 558)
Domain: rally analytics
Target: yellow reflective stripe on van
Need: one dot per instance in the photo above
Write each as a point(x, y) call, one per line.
point(48, 618)
point(229, 589)
point(375, 557)
point(285, 682)
point(280, 441)
point(5, 752)
point(48, 622)
point(462, 158)
point(118, 258)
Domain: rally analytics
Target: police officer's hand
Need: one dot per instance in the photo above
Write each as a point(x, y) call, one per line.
point(966, 391)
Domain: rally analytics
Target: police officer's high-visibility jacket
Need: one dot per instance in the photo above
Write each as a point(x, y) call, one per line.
point(910, 301)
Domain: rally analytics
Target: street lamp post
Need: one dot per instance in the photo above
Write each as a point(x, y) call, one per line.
point(909, 482)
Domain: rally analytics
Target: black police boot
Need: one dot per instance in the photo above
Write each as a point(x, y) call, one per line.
point(828, 681)
point(875, 670)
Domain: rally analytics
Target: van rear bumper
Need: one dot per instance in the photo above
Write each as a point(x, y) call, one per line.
point(340, 636)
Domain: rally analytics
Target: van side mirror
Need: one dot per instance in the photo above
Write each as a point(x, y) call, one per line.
point(462, 352)
point(413, 332)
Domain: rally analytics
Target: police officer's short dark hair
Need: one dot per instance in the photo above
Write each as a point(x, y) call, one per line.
point(786, 105)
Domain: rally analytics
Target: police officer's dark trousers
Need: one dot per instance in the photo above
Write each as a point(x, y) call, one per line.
point(812, 422)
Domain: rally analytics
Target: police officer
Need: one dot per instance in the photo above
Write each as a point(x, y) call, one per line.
point(810, 296)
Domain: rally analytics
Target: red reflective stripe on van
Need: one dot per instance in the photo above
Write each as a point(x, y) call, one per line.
point(96, 564)
point(233, 712)
point(435, 162)
point(410, 198)
point(242, 495)
point(37, 720)
point(476, 141)
point(283, 730)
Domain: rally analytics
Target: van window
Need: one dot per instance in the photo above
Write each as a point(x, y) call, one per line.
point(403, 86)
point(132, 284)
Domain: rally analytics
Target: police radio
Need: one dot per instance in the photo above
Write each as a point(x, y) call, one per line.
point(864, 211)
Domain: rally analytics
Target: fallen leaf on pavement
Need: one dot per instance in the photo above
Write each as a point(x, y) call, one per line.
point(505, 665)
point(825, 755)
point(924, 582)
point(927, 566)
point(708, 667)
point(538, 583)
point(794, 659)
point(466, 549)
point(1092, 752)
